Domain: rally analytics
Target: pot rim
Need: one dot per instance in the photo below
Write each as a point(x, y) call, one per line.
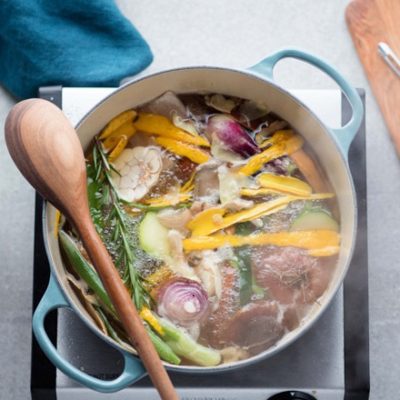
point(289, 337)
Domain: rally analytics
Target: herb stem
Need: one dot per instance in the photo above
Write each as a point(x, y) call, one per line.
point(117, 225)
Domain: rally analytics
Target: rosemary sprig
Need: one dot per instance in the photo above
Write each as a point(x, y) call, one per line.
point(116, 226)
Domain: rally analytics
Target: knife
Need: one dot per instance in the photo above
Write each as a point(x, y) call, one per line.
point(390, 57)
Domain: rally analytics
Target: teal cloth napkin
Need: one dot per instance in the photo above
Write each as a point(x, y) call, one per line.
point(67, 42)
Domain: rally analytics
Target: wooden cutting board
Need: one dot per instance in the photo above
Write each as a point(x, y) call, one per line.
point(371, 22)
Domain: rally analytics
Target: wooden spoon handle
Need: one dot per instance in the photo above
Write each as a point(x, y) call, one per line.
point(46, 149)
point(125, 309)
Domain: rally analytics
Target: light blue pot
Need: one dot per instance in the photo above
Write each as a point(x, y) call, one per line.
point(331, 145)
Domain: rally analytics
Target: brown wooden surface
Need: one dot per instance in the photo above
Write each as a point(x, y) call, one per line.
point(46, 149)
point(371, 22)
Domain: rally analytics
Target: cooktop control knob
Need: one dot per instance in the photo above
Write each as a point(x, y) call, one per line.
point(292, 395)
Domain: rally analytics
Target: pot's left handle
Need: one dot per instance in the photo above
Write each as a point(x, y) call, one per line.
point(54, 298)
point(344, 135)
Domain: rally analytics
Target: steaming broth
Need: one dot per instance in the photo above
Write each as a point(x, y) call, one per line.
point(220, 221)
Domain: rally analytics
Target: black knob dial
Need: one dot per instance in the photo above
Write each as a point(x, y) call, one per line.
point(292, 395)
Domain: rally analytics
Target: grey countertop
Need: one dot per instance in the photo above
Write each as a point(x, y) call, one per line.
point(238, 34)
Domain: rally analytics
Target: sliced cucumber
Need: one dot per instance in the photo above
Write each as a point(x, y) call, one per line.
point(153, 237)
point(310, 220)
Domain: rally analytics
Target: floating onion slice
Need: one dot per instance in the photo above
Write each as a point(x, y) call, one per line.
point(220, 103)
point(220, 152)
point(250, 111)
point(182, 300)
point(186, 124)
point(232, 135)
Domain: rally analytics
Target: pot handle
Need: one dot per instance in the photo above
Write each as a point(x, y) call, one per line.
point(54, 298)
point(344, 135)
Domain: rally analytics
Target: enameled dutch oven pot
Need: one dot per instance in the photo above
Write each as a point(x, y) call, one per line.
point(256, 83)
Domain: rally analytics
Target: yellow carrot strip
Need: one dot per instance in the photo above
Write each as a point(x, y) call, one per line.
point(57, 223)
point(169, 200)
point(309, 240)
point(264, 191)
point(248, 192)
point(275, 151)
point(277, 137)
point(148, 316)
point(324, 251)
point(111, 141)
point(206, 216)
point(122, 142)
point(214, 219)
point(187, 189)
point(159, 125)
point(287, 184)
point(193, 153)
point(188, 186)
point(116, 122)
point(208, 223)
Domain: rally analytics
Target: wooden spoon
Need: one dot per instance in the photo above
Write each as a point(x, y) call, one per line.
point(47, 151)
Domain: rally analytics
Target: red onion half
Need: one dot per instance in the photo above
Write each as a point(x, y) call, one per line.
point(232, 135)
point(182, 300)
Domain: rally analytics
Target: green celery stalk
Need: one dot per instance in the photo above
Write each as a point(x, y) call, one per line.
point(163, 349)
point(84, 269)
point(185, 346)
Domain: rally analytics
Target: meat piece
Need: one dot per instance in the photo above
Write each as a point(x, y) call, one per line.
point(290, 274)
point(255, 326)
point(271, 128)
point(196, 106)
point(175, 171)
point(141, 139)
point(214, 330)
point(292, 316)
point(280, 166)
point(206, 184)
point(165, 105)
point(184, 169)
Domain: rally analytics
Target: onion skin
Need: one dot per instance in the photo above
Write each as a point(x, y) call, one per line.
point(182, 301)
point(232, 135)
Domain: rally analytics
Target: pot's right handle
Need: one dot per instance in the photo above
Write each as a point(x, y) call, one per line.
point(344, 135)
point(54, 298)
